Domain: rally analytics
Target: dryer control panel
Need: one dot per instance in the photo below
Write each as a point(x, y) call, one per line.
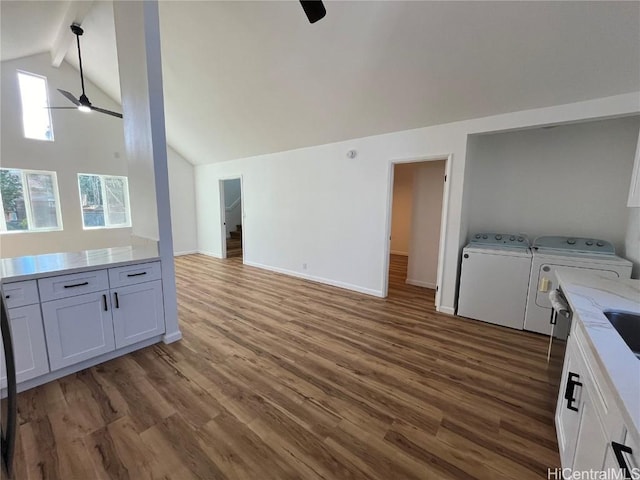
point(574, 244)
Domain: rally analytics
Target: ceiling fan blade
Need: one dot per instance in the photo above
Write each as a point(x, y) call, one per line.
point(108, 112)
point(70, 97)
point(314, 9)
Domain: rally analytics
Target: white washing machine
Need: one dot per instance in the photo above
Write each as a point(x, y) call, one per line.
point(553, 252)
point(495, 278)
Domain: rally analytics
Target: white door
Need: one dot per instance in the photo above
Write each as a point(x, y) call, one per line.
point(78, 328)
point(29, 346)
point(138, 312)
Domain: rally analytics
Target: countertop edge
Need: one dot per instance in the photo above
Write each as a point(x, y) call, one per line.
point(47, 265)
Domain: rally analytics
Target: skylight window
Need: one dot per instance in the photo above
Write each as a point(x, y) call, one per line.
point(36, 116)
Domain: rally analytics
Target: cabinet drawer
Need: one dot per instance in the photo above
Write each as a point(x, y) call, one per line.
point(63, 286)
point(132, 274)
point(19, 294)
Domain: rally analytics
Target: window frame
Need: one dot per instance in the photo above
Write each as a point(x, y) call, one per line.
point(105, 208)
point(26, 193)
point(46, 91)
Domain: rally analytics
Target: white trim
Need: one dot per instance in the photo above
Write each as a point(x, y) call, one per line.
point(420, 283)
point(326, 281)
point(185, 252)
point(446, 309)
point(398, 252)
point(172, 337)
point(210, 254)
point(223, 221)
point(448, 159)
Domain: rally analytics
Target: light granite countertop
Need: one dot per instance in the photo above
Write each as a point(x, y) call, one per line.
point(38, 266)
point(589, 295)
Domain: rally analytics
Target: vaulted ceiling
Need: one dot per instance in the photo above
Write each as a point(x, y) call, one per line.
point(245, 78)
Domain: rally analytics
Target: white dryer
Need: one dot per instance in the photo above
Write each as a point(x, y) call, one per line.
point(495, 278)
point(557, 252)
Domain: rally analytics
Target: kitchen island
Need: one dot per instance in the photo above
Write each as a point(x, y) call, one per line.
point(70, 311)
point(598, 412)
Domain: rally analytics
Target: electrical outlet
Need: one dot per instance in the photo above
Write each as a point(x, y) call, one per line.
point(304, 266)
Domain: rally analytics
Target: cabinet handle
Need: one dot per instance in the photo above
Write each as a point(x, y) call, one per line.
point(618, 449)
point(115, 295)
point(572, 382)
point(77, 285)
point(104, 302)
point(136, 274)
point(7, 296)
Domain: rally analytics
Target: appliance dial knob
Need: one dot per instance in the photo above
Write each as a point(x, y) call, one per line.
point(512, 238)
point(571, 241)
point(521, 239)
point(589, 242)
point(478, 235)
point(485, 236)
point(498, 237)
point(600, 244)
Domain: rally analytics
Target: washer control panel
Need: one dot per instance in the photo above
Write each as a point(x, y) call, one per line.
point(574, 244)
point(505, 239)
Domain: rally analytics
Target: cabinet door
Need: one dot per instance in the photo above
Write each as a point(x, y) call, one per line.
point(568, 419)
point(593, 441)
point(28, 344)
point(78, 328)
point(138, 312)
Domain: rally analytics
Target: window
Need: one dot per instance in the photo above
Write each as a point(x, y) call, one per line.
point(104, 200)
point(36, 116)
point(29, 201)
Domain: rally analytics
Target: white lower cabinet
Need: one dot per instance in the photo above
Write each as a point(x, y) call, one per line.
point(30, 351)
point(138, 312)
point(591, 432)
point(78, 328)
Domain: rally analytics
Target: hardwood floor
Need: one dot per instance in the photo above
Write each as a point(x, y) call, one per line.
point(280, 378)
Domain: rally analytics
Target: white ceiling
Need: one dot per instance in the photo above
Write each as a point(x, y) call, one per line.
point(247, 78)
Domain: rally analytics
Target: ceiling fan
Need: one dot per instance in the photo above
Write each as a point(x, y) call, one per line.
point(314, 9)
point(82, 103)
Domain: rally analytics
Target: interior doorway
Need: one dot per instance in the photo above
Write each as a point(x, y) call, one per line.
point(231, 217)
point(416, 214)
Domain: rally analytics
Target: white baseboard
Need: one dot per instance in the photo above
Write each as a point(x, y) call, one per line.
point(446, 309)
point(398, 252)
point(420, 283)
point(186, 252)
point(172, 337)
point(209, 254)
point(326, 281)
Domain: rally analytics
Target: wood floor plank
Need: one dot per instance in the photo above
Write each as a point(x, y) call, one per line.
point(281, 378)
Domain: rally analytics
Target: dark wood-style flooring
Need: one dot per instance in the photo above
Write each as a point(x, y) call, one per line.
point(281, 378)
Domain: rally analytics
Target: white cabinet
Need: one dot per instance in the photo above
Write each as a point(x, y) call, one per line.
point(591, 431)
point(138, 312)
point(29, 346)
point(634, 190)
point(78, 328)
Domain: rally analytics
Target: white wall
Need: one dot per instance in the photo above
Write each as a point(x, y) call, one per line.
point(84, 143)
point(183, 203)
point(428, 186)
point(401, 208)
point(318, 207)
point(568, 180)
